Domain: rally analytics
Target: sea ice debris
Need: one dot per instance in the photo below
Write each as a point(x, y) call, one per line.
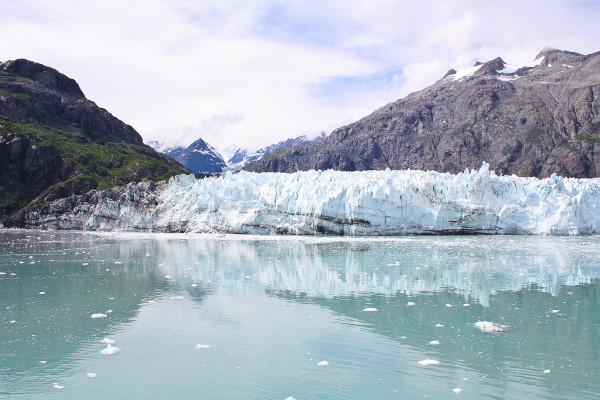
point(323, 363)
point(449, 305)
point(107, 341)
point(486, 326)
point(439, 325)
point(546, 371)
point(434, 342)
point(429, 362)
point(91, 374)
point(370, 309)
point(57, 386)
point(410, 303)
point(110, 349)
point(203, 346)
point(98, 315)
point(42, 293)
point(457, 390)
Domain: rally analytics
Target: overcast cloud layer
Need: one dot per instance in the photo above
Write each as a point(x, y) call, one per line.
point(252, 73)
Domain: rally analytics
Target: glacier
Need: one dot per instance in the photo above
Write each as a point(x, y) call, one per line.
point(364, 203)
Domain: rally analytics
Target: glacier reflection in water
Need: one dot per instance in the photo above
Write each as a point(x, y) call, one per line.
point(267, 311)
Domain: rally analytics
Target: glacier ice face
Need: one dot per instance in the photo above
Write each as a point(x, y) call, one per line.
point(342, 203)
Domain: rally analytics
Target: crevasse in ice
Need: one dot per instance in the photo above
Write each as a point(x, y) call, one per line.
point(358, 203)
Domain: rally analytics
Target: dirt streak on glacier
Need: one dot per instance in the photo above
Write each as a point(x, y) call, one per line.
point(333, 202)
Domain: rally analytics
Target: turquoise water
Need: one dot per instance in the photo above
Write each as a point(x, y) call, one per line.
point(271, 311)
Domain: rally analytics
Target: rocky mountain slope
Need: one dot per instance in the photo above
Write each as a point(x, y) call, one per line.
point(242, 157)
point(54, 142)
point(530, 121)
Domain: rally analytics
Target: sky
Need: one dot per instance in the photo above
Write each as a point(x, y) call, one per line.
point(252, 73)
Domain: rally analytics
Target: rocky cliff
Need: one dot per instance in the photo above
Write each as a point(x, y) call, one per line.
point(54, 142)
point(530, 121)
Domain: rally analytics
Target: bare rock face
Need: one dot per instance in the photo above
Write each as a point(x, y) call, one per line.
point(532, 121)
point(54, 142)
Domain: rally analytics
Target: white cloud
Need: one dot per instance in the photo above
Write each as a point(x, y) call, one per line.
point(246, 72)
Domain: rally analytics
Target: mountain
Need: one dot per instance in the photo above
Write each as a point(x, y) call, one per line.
point(54, 142)
point(533, 120)
point(242, 157)
point(198, 157)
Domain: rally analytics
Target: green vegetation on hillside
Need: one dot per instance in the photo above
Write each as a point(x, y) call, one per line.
point(85, 165)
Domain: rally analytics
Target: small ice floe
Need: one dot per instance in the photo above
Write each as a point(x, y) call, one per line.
point(449, 305)
point(410, 303)
point(13, 274)
point(43, 362)
point(84, 264)
point(486, 326)
point(91, 375)
point(98, 315)
point(110, 349)
point(12, 321)
point(57, 386)
point(290, 398)
point(176, 297)
point(108, 311)
point(42, 293)
point(555, 311)
point(439, 325)
point(434, 342)
point(203, 346)
point(2, 273)
point(118, 262)
point(546, 371)
point(466, 305)
point(194, 285)
point(457, 390)
point(429, 362)
point(107, 341)
point(370, 309)
point(323, 363)
point(168, 276)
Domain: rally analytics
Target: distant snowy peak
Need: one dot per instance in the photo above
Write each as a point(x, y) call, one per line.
point(199, 157)
point(497, 67)
point(243, 156)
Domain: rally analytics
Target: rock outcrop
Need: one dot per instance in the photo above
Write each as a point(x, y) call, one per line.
point(533, 120)
point(54, 142)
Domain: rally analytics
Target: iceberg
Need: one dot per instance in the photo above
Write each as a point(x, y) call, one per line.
point(364, 203)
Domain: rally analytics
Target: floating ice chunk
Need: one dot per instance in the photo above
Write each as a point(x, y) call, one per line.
point(194, 285)
point(107, 341)
point(168, 276)
point(176, 297)
point(57, 386)
point(108, 311)
point(429, 362)
point(546, 371)
point(487, 326)
point(13, 321)
point(457, 390)
point(91, 374)
point(290, 398)
point(43, 362)
point(555, 311)
point(2, 273)
point(203, 346)
point(410, 303)
point(42, 293)
point(13, 274)
point(118, 262)
point(434, 342)
point(449, 305)
point(98, 315)
point(110, 350)
point(439, 325)
point(323, 363)
point(84, 264)
point(370, 309)
point(466, 305)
